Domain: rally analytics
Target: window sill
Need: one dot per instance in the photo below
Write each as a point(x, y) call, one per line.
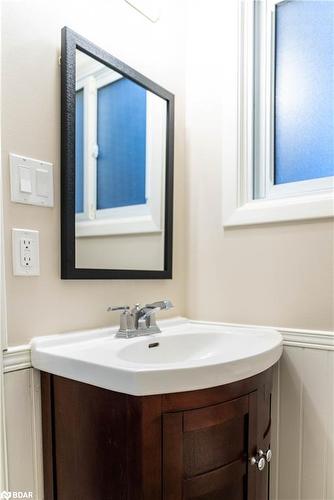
point(295, 208)
point(113, 227)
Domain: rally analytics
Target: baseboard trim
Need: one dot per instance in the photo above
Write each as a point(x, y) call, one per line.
point(19, 358)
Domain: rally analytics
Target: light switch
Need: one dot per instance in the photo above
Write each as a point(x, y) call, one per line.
point(31, 181)
point(25, 180)
point(42, 182)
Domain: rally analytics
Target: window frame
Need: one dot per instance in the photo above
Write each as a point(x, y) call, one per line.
point(301, 200)
point(131, 219)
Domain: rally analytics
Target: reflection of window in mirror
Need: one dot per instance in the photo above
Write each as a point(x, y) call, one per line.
point(120, 135)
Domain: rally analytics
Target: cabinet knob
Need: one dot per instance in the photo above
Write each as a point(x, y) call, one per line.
point(269, 455)
point(259, 460)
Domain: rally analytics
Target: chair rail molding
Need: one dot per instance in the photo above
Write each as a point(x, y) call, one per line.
point(16, 358)
point(314, 339)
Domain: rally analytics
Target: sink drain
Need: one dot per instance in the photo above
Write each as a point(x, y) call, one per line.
point(154, 344)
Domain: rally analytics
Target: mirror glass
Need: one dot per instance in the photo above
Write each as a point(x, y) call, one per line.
point(120, 166)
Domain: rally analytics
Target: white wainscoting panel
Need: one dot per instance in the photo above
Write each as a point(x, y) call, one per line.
point(23, 431)
point(303, 422)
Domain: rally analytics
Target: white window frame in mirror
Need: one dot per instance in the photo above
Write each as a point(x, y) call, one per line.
point(143, 218)
point(293, 201)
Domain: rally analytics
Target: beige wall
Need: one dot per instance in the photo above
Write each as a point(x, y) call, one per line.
point(126, 251)
point(273, 274)
point(280, 274)
point(31, 126)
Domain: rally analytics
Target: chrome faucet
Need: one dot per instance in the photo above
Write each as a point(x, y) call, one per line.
point(140, 320)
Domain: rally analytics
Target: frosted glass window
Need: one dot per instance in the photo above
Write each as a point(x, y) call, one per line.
point(304, 91)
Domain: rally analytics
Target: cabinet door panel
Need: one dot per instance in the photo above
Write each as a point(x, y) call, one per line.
point(205, 452)
point(212, 447)
point(222, 484)
point(215, 414)
point(214, 436)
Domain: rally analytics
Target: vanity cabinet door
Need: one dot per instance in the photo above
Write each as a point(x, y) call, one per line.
point(205, 452)
point(263, 425)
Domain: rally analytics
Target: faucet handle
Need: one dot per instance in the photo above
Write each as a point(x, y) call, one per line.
point(151, 309)
point(118, 308)
point(127, 320)
point(161, 304)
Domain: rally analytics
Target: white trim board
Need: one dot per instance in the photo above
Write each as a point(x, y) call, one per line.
point(314, 339)
point(18, 357)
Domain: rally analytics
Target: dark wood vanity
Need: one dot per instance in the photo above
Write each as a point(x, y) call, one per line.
point(104, 445)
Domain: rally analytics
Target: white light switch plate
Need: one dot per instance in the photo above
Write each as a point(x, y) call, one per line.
point(25, 246)
point(31, 181)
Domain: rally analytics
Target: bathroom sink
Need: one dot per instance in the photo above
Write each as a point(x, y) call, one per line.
point(172, 349)
point(185, 356)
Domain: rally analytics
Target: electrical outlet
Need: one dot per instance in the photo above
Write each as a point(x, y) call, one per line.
point(26, 248)
point(25, 252)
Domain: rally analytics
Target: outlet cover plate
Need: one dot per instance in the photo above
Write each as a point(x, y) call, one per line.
point(27, 264)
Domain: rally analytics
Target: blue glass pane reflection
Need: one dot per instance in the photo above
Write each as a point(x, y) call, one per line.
point(304, 97)
point(121, 130)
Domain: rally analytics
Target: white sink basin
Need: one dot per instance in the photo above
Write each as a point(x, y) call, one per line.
point(186, 356)
point(174, 349)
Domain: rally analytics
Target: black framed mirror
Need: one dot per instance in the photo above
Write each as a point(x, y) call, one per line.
point(117, 148)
